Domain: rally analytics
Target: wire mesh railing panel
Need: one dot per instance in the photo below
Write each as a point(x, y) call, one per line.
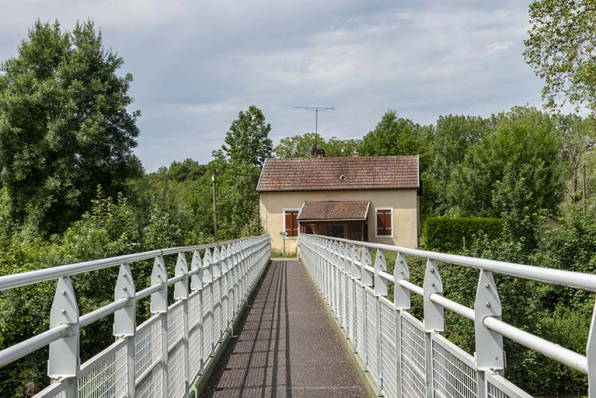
point(454, 375)
point(207, 323)
point(148, 345)
point(151, 386)
point(499, 387)
point(413, 357)
point(106, 374)
point(388, 348)
point(175, 323)
point(194, 334)
point(176, 372)
point(371, 334)
point(350, 307)
point(360, 319)
point(194, 309)
point(216, 310)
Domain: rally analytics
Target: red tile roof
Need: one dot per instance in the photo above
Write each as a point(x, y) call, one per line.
point(336, 174)
point(334, 210)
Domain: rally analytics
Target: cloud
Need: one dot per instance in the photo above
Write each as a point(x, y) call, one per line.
point(498, 46)
point(197, 64)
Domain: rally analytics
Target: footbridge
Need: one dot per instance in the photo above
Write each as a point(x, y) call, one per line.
point(227, 321)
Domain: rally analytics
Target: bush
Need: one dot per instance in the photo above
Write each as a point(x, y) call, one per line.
point(448, 234)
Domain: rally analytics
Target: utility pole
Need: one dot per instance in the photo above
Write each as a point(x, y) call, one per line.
point(584, 187)
point(213, 180)
point(316, 109)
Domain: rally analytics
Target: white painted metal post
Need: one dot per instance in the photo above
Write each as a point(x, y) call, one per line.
point(366, 280)
point(181, 294)
point(196, 284)
point(381, 290)
point(489, 355)
point(434, 319)
point(159, 305)
point(591, 355)
point(208, 282)
point(125, 325)
point(64, 362)
point(401, 300)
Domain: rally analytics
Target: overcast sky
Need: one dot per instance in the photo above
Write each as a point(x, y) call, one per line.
point(196, 64)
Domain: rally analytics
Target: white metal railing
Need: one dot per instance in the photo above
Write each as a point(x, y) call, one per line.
point(162, 356)
point(410, 358)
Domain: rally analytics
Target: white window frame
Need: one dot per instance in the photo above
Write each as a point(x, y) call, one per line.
point(376, 226)
point(284, 221)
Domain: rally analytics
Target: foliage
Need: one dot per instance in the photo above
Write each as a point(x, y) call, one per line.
point(515, 166)
point(248, 140)
point(560, 49)
point(64, 125)
point(188, 169)
point(300, 146)
point(395, 136)
point(451, 139)
point(452, 235)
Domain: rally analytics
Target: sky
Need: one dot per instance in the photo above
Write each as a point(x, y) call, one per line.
point(196, 64)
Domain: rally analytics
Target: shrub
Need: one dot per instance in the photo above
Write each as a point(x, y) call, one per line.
point(451, 234)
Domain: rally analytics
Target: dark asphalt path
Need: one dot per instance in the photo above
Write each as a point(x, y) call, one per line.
point(287, 345)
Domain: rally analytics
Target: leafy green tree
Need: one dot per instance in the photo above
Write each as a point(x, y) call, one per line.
point(395, 136)
point(451, 139)
point(578, 136)
point(523, 150)
point(248, 140)
point(561, 50)
point(299, 146)
point(188, 169)
point(64, 125)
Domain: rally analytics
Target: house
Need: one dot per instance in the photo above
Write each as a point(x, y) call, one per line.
point(373, 199)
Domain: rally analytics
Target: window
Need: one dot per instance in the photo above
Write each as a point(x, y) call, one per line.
point(290, 222)
point(384, 222)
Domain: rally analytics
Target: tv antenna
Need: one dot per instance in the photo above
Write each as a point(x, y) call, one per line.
point(316, 109)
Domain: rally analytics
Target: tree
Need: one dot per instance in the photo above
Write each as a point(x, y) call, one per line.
point(578, 137)
point(299, 146)
point(248, 140)
point(188, 169)
point(452, 138)
point(395, 136)
point(64, 125)
point(516, 167)
point(561, 50)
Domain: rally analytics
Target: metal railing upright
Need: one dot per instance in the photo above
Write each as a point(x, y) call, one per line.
point(410, 358)
point(162, 356)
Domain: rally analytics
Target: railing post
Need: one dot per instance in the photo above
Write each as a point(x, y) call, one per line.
point(181, 293)
point(434, 319)
point(489, 354)
point(591, 355)
point(366, 280)
point(356, 277)
point(64, 361)
point(159, 305)
point(401, 300)
point(125, 322)
point(196, 284)
point(208, 282)
point(381, 290)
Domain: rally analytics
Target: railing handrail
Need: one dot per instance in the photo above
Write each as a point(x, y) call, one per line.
point(238, 263)
point(573, 279)
point(432, 292)
point(47, 274)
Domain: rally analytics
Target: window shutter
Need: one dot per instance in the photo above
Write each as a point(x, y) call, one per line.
point(384, 222)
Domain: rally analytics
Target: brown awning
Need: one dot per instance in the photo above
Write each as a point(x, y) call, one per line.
point(334, 211)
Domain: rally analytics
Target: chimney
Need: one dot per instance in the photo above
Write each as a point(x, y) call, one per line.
point(355, 153)
point(320, 153)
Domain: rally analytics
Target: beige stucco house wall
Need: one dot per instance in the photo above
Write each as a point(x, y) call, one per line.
point(404, 203)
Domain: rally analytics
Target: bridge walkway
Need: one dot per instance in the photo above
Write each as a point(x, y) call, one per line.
point(287, 344)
